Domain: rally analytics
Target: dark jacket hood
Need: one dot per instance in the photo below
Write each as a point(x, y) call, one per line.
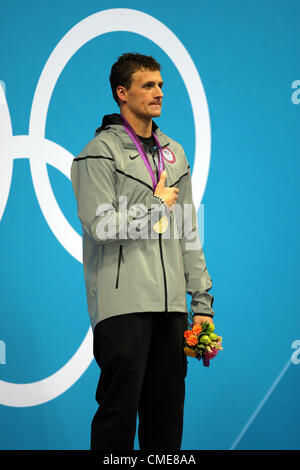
point(115, 119)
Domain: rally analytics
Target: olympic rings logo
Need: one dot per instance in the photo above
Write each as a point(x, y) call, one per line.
point(40, 151)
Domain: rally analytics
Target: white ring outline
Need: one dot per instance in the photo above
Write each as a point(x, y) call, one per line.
point(127, 20)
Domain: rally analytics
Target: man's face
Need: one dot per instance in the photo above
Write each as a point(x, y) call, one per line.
point(144, 97)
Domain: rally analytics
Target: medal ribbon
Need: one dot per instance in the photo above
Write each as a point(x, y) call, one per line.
point(140, 148)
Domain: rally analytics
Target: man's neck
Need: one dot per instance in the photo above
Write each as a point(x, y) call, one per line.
point(142, 127)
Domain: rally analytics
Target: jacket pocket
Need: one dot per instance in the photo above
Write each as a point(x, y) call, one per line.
point(120, 259)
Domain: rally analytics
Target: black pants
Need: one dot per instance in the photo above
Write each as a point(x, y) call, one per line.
point(143, 370)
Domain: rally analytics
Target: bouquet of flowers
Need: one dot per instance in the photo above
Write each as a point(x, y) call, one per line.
point(201, 342)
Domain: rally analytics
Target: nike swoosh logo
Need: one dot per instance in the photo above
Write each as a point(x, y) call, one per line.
point(134, 156)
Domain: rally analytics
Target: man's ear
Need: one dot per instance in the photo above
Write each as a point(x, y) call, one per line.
point(122, 94)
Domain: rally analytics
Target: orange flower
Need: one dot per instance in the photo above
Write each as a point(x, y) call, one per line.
point(192, 340)
point(197, 329)
point(187, 333)
point(189, 352)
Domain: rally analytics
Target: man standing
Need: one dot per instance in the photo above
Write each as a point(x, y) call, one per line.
point(139, 261)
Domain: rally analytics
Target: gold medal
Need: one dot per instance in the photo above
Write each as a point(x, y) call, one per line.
point(162, 225)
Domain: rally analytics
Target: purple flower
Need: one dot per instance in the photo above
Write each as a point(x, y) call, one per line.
point(211, 354)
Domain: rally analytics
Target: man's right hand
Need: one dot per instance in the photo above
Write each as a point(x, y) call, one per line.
point(169, 195)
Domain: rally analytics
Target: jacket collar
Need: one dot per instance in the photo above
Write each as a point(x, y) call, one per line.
point(114, 123)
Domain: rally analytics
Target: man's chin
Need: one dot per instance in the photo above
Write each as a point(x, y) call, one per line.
point(156, 113)
point(151, 114)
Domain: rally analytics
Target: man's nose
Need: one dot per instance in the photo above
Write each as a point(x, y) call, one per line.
point(158, 92)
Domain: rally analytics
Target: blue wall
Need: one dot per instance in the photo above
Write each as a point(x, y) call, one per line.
point(246, 54)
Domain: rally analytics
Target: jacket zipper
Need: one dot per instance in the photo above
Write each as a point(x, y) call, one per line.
point(161, 256)
point(119, 265)
point(164, 272)
point(155, 165)
point(160, 243)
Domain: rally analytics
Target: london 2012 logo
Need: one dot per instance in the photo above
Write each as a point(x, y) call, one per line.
point(41, 151)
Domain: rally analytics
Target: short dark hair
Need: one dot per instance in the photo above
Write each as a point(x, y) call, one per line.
point(126, 65)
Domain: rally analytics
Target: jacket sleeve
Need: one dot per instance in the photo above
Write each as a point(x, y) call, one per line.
point(93, 179)
point(198, 281)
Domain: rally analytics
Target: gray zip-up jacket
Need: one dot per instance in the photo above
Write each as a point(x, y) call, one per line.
point(128, 266)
